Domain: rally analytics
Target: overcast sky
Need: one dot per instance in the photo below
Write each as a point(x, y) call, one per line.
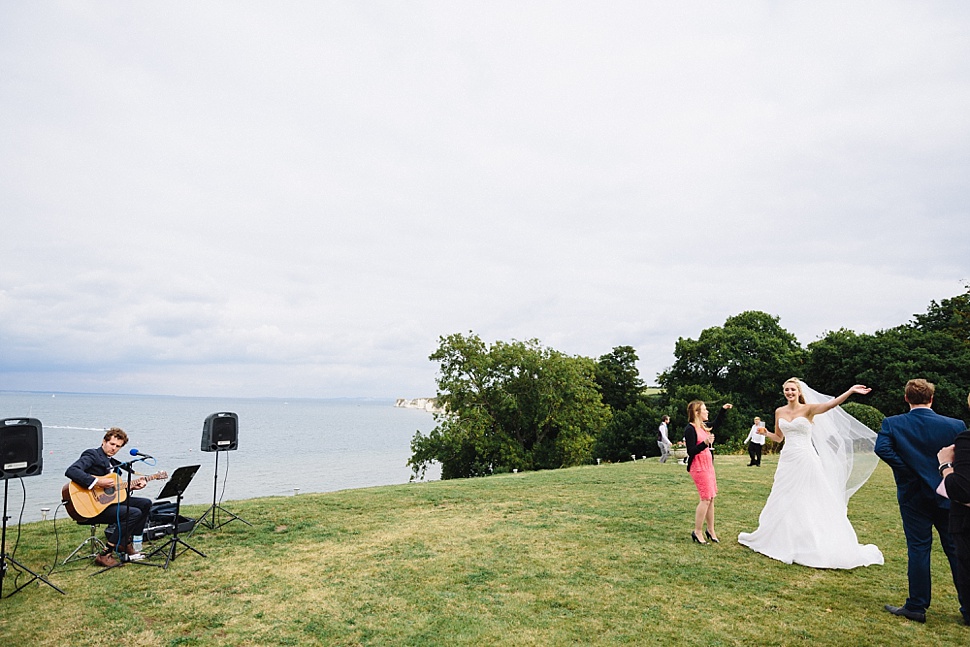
point(297, 199)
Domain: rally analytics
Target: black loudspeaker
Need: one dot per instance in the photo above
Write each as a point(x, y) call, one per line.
point(220, 432)
point(21, 447)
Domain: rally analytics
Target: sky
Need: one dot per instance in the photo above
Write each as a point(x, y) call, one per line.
point(298, 199)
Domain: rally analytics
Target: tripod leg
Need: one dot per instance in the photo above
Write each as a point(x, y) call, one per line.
point(5, 559)
point(232, 517)
point(34, 576)
point(209, 518)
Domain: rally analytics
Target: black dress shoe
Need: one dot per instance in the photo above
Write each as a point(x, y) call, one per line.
point(918, 616)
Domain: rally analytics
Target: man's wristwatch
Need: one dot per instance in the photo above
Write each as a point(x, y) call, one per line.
point(945, 466)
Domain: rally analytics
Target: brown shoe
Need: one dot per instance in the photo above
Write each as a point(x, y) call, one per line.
point(106, 560)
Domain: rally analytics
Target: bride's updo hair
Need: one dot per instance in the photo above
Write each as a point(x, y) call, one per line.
point(694, 411)
point(798, 385)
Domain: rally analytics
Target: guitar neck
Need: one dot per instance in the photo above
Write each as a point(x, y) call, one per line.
point(148, 477)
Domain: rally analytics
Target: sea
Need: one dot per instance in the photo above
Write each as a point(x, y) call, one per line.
point(286, 447)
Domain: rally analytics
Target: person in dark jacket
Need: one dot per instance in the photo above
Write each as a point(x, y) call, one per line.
point(94, 469)
point(955, 470)
point(699, 437)
point(909, 443)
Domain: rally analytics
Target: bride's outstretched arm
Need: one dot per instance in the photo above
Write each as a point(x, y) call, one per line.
point(822, 407)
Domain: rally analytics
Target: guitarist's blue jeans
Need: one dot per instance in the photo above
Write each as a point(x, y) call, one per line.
point(133, 515)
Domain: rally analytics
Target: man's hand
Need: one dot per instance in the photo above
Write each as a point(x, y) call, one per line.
point(946, 455)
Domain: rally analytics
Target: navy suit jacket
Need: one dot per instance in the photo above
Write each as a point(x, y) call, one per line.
point(92, 464)
point(909, 443)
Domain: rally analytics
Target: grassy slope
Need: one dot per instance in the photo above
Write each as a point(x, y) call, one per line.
point(592, 555)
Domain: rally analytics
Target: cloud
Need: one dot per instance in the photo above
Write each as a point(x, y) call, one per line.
point(233, 199)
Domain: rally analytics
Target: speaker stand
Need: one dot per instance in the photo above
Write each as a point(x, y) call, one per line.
point(209, 518)
point(5, 559)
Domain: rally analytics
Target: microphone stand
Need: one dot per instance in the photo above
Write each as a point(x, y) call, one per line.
point(118, 547)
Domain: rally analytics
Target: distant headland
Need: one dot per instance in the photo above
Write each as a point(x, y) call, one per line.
point(427, 404)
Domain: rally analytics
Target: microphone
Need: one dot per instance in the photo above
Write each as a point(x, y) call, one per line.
point(135, 452)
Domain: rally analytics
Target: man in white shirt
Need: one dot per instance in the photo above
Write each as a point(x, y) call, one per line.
point(662, 440)
point(756, 442)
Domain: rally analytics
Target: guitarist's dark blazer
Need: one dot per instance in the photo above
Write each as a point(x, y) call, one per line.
point(92, 464)
point(127, 518)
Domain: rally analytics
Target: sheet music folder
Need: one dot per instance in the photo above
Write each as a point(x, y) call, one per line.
point(179, 480)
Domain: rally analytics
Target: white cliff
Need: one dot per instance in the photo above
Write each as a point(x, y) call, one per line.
point(427, 404)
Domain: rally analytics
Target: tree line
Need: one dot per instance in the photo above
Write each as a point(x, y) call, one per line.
point(521, 405)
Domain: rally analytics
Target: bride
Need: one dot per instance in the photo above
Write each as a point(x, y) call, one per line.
point(827, 456)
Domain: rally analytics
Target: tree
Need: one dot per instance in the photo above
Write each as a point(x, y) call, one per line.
point(618, 378)
point(746, 361)
point(631, 432)
point(736, 425)
point(869, 416)
point(888, 359)
point(950, 316)
point(511, 405)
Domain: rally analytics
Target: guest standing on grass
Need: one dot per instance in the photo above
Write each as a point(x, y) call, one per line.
point(755, 442)
point(663, 439)
point(955, 470)
point(699, 436)
point(909, 443)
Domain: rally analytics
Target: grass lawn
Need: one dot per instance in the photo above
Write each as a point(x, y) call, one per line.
point(596, 555)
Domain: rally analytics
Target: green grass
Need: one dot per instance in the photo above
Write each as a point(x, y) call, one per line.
point(586, 556)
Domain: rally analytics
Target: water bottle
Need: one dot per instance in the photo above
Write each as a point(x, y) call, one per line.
point(136, 543)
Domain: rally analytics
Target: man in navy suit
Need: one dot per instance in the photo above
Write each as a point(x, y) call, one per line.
point(124, 520)
point(909, 443)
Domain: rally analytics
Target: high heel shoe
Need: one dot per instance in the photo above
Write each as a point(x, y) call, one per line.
point(694, 537)
point(711, 537)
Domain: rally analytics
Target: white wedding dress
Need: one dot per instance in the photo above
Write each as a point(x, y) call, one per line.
point(804, 520)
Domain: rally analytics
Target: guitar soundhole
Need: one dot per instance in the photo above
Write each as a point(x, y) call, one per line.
point(107, 495)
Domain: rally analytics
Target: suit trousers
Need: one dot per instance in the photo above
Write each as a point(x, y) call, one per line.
point(918, 524)
point(961, 540)
point(131, 514)
point(754, 451)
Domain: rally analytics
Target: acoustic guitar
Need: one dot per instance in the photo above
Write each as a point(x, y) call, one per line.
point(83, 504)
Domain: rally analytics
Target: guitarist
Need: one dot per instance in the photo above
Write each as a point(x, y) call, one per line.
point(93, 469)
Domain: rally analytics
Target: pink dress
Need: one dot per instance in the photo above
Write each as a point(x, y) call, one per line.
point(702, 469)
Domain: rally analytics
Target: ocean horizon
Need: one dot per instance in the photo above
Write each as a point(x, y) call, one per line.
point(286, 446)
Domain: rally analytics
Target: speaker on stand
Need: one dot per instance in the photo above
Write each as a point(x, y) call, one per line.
point(220, 433)
point(21, 454)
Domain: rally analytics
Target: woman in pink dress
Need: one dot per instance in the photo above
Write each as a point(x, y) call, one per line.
point(699, 436)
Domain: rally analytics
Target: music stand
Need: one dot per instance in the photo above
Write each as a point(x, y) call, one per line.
point(176, 487)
